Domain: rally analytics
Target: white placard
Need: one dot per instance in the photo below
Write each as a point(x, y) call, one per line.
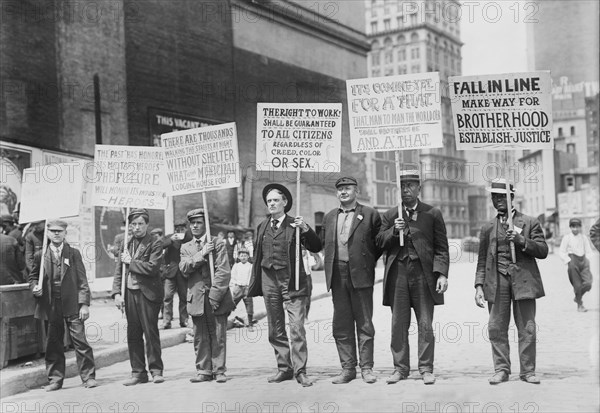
point(201, 159)
point(292, 136)
point(51, 191)
point(502, 112)
point(129, 176)
point(395, 112)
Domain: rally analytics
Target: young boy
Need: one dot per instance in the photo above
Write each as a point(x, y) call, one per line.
point(573, 250)
point(240, 278)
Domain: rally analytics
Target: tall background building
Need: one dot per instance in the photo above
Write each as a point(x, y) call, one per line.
point(414, 37)
point(564, 183)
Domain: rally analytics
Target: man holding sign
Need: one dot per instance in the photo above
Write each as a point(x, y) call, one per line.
point(63, 297)
point(273, 276)
point(416, 274)
point(500, 281)
point(209, 298)
point(143, 297)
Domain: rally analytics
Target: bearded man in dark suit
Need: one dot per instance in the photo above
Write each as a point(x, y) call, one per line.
point(416, 274)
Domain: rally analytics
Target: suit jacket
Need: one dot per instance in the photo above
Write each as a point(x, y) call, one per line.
point(363, 251)
point(309, 239)
point(199, 278)
point(172, 255)
point(145, 264)
point(525, 275)
point(12, 262)
point(33, 243)
point(74, 288)
point(428, 233)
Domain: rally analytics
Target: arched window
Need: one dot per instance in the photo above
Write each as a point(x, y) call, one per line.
point(414, 37)
point(401, 39)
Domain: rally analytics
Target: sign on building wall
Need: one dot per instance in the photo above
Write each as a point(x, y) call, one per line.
point(202, 159)
point(502, 112)
point(164, 121)
point(395, 112)
point(292, 136)
point(129, 176)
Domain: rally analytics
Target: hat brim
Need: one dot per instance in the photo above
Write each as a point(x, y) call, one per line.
point(284, 190)
point(56, 228)
point(499, 190)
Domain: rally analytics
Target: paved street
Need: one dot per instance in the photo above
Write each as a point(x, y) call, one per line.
point(567, 363)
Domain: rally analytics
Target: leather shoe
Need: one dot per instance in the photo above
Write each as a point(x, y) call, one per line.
point(281, 376)
point(201, 377)
point(303, 379)
point(499, 377)
point(220, 378)
point(53, 386)
point(581, 308)
point(532, 378)
point(428, 378)
point(368, 376)
point(396, 377)
point(183, 324)
point(166, 326)
point(346, 376)
point(157, 379)
point(136, 380)
point(90, 383)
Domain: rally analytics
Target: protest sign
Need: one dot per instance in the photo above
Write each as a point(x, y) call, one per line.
point(395, 112)
point(201, 159)
point(502, 112)
point(129, 176)
point(293, 136)
point(51, 191)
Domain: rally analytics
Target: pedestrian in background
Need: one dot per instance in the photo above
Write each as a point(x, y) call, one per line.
point(348, 236)
point(231, 243)
point(416, 274)
point(209, 298)
point(143, 298)
point(274, 277)
point(12, 263)
point(63, 299)
point(248, 244)
point(500, 282)
point(174, 281)
point(595, 234)
point(574, 250)
point(240, 279)
point(34, 239)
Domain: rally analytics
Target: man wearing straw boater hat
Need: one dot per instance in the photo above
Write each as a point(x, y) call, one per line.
point(63, 298)
point(416, 274)
point(500, 281)
point(143, 297)
point(209, 298)
point(274, 277)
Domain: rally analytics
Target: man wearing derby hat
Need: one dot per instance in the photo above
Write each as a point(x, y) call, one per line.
point(574, 250)
point(63, 298)
point(501, 282)
point(351, 254)
point(273, 276)
point(143, 297)
point(416, 274)
point(209, 298)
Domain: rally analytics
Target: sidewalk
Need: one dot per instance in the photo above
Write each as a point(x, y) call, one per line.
point(106, 331)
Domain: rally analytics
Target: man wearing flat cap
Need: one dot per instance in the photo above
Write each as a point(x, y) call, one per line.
point(416, 274)
point(174, 282)
point(209, 298)
point(63, 299)
point(143, 298)
point(273, 276)
point(500, 282)
point(574, 250)
point(351, 254)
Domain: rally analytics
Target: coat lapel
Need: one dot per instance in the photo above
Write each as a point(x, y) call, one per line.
point(65, 257)
point(356, 220)
point(492, 239)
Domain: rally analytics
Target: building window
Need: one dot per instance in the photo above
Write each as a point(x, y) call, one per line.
point(560, 132)
point(414, 53)
point(400, 22)
point(388, 57)
point(572, 130)
point(570, 148)
point(387, 25)
point(373, 27)
point(375, 58)
point(415, 68)
point(402, 69)
point(401, 54)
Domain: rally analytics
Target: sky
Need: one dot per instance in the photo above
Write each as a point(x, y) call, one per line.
point(494, 36)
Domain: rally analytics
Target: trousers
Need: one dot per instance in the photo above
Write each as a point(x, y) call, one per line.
point(142, 322)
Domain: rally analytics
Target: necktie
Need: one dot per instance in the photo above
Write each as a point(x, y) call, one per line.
point(198, 245)
point(344, 229)
point(410, 213)
point(274, 225)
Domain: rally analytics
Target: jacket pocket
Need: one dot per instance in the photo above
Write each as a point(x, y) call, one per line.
point(190, 296)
